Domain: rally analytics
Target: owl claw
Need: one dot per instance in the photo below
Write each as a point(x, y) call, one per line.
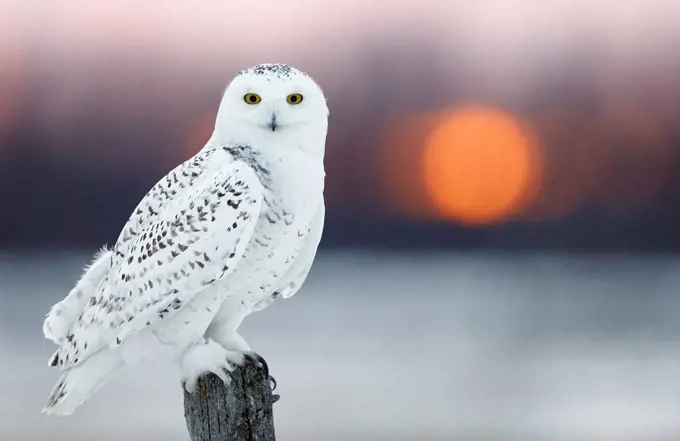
point(264, 365)
point(256, 360)
point(230, 373)
point(189, 386)
point(249, 360)
point(224, 375)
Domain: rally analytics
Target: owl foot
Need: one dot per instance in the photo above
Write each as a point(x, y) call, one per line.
point(232, 341)
point(255, 359)
point(207, 356)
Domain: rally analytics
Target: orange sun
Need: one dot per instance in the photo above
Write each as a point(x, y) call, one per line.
point(480, 166)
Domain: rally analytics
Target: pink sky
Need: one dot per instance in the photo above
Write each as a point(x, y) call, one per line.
point(258, 27)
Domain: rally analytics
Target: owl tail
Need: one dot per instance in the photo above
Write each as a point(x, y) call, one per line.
point(80, 382)
point(61, 317)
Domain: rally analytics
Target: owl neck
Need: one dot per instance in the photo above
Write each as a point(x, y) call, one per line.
point(294, 147)
point(281, 161)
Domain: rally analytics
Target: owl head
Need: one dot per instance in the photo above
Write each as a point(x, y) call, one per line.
point(273, 103)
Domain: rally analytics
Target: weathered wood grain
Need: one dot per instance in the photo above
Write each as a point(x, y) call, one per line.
point(241, 411)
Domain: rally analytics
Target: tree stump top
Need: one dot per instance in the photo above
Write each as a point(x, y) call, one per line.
point(240, 411)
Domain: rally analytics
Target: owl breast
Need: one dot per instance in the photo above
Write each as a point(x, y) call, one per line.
point(292, 193)
point(277, 241)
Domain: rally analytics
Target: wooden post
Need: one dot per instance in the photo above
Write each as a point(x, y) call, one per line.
point(241, 411)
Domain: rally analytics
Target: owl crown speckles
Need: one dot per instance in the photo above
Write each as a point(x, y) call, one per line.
point(280, 70)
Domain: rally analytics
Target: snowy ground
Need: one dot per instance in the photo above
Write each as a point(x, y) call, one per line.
point(400, 347)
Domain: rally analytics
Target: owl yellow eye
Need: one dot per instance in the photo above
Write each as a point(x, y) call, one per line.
point(252, 98)
point(294, 98)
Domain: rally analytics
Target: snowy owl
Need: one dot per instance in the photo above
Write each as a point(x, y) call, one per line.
point(222, 235)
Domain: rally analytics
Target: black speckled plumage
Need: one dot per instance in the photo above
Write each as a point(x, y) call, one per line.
point(254, 159)
point(278, 70)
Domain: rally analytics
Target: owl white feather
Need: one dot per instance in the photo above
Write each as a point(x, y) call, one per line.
point(222, 235)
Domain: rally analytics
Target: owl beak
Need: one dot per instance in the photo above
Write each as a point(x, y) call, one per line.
point(273, 124)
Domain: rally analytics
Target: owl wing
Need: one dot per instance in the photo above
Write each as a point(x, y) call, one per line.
point(195, 241)
point(164, 193)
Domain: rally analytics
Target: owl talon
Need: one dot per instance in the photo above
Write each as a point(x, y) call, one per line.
point(189, 386)
point(273, 380)
point(256, 360)
point(249, 360)
point(264, 364)
point(230, 373)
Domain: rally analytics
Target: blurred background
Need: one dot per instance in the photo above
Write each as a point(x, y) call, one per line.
point(500, 257)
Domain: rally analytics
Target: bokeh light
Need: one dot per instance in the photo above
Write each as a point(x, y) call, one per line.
point(480, 166)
